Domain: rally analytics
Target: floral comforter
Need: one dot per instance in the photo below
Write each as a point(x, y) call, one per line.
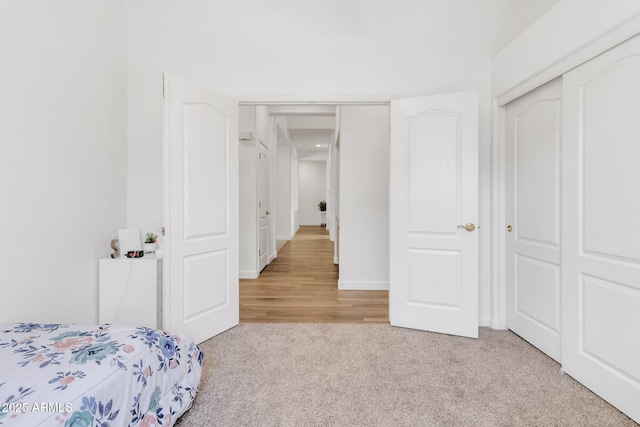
point(104, 375)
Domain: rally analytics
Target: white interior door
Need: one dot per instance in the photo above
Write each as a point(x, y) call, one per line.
point(433, 196)
point(601, 239)
point(201, 210)
point(533, 135)
point(263, 205)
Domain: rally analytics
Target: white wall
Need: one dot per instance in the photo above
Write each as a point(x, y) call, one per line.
point(63, 163)
point(364, 198)
point(327, 193)
point(283, 193)
point(341, 50)
point(248, 196)
point(333, 206)
point(333, 211)
point(65, 60)
point(312, 189)
point(244, 48)
point(255, 120)
point(283, 187)
point(381, 49)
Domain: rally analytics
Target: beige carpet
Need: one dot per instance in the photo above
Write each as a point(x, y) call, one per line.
point(377, 375)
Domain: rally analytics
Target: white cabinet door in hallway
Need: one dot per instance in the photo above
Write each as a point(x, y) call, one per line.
point(533, 135)
point(600, 233)
point(201, 210)
point(433, 196)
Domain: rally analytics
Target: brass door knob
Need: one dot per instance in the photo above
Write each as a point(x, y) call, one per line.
point(469, 227)
point(509, 228)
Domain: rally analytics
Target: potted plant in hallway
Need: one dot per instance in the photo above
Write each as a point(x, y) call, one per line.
point(322, 205)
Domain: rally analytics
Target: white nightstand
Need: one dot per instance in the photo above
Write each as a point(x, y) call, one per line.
point(131, 291)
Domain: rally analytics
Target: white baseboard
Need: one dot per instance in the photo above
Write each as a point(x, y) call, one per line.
point(484, 323)
point(335, 260)
point(249, 274)
point(353, 285)
point(493, 324)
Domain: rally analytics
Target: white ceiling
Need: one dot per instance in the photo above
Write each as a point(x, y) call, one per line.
point(311, 128)
point(311, 142)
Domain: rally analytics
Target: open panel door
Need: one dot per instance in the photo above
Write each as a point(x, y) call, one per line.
point(201, 210)
point(434, 213)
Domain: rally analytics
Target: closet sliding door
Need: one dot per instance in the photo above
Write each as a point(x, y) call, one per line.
point(533, 172)
point(600, 232)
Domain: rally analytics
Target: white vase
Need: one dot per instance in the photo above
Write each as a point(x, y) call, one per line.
point(149, 248)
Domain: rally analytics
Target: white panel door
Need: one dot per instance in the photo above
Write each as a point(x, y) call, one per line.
point(433, 196)
point(201, 209)
point(601, 239)
point(533, 136)
point(263, 205)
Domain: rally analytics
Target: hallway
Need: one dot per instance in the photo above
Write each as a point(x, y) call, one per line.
point(301, 286)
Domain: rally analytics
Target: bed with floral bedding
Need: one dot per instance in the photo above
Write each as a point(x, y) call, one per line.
point(98, 375)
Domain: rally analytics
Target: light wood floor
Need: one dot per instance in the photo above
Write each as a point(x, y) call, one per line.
point(301, 285)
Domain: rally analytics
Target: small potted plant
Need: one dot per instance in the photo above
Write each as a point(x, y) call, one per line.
point(150, 243)
point(323, 212)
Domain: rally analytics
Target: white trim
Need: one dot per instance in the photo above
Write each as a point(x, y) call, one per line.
point(498, 224)
point(358, 285)
point(493, 325)
point(166, 207)
point(310, 100)
point(249, 274)
point(584, 53)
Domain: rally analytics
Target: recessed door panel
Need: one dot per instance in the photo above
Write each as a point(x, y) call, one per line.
point(205, 171)
point(601, 325)
point(202, 273)
point(537, 173)
point(538, 292)
point(434, 171)
point(435, 278)
point(610, 152)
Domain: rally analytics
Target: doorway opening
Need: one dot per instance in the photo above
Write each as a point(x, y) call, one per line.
point(297, 171)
